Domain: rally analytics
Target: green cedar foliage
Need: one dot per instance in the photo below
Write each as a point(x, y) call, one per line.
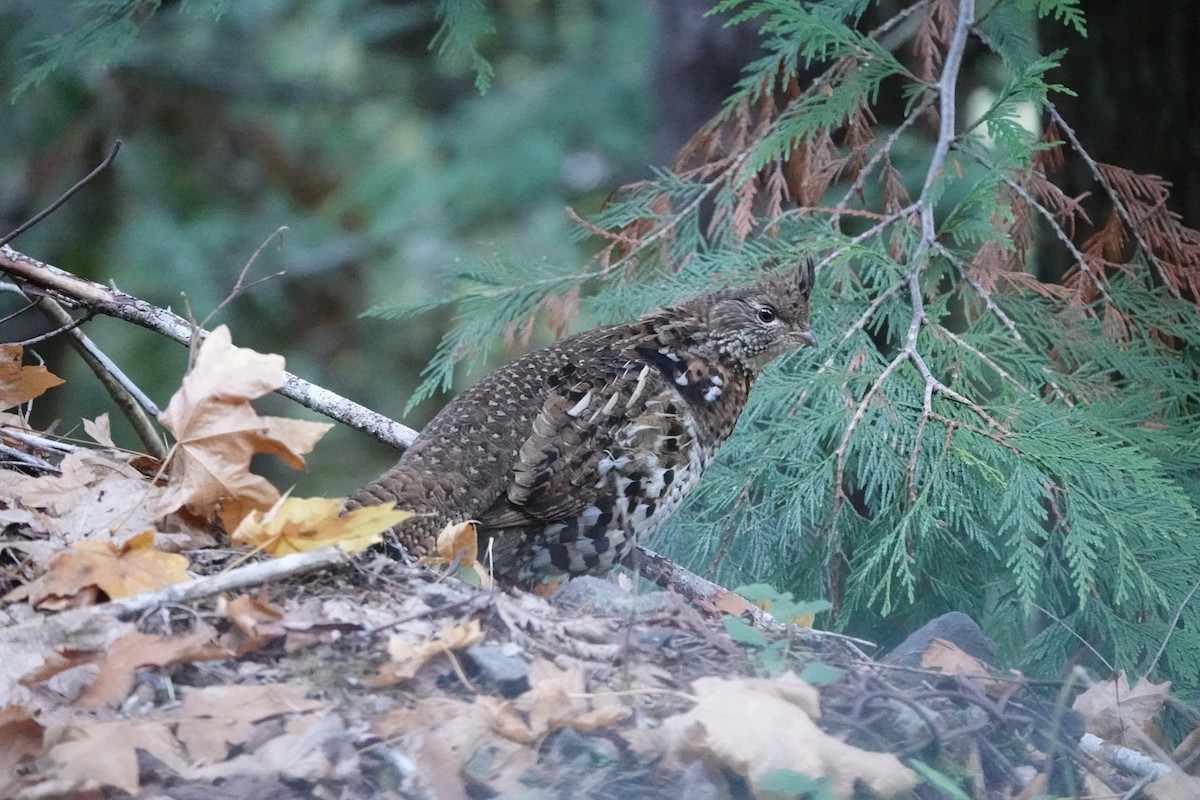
point(977, 431)
point(97, 32)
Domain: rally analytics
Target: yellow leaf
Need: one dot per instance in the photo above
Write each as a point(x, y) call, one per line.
point(20, 383)
point(298, 524)
point(218, 432)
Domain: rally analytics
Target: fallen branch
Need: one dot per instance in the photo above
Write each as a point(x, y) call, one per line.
point(139, 409)
point(72, 291)
point(1125, 759)
point(62, 626)
point(669, 575)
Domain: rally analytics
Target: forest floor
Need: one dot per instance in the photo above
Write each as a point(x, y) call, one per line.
point(373, 679)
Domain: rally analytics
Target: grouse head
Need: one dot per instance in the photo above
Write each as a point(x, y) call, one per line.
point(755, 324)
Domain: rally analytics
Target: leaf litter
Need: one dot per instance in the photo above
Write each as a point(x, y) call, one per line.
point(386, 680)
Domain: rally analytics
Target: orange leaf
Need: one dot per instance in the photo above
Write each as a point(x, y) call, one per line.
point(20, 383)
point(75, 575)
point(947, 657)
point(299, 524)
point(218, 432)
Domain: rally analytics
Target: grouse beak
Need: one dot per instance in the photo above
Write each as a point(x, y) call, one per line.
point(807, 337)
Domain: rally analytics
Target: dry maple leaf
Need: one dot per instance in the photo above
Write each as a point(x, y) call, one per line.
point(299, 524)
point(21, 738)
point(757, 727)
point(214, 720)
point(1113, 710)
point(77, 576)
point(136, 650)
point(95, 496)
point(218, 432)
point(408, 657)
point(20, 383)
point(106, 753)
point(100, 429)
point(442, 735)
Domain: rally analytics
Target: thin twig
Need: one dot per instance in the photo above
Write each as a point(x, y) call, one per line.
point(946, 87)
point(64, 197)
point(1170, 630)
point(134, 404)
point(883, 150)
point(24, 459)
point(240, 286)
point(998, 312)
point(669, 575)
point(111, 302)
point(1082, 641)
point(1120, 207)
point(54, 445)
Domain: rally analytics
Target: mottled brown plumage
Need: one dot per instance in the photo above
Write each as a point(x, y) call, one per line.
point(568, 455)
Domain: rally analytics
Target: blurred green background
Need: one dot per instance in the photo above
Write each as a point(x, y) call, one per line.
point(335, 119)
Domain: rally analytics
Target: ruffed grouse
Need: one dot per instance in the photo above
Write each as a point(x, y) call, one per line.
point(567, 456)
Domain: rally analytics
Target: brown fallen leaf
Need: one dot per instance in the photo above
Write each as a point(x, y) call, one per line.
point(442, 735)
point(256, 623)
point(78, 576)
point(217, 432)
point(100, 429)
point(106, 754)
point(299, 524)
point(136, 650)
point(505, 721)
point(214, 720)
point(310, 748)
point(1111, 709)
point(97, 495)
point(726, 602)
point(948, 658)
point(20, 383)
point(756, 727)
point(408, 657)
point(558, 698)
point(21, 738)
point(458, 543)
point(1176, 785)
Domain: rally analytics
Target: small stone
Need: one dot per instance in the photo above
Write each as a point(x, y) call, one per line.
point(571, 749)
point(498, 667)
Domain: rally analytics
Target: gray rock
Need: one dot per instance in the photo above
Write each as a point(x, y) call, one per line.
point(956, 628)
point(498, 667)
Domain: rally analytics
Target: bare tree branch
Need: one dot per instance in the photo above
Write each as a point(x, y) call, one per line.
point(77, 292)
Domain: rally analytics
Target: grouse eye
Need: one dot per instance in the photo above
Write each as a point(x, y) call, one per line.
point(766, 314)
